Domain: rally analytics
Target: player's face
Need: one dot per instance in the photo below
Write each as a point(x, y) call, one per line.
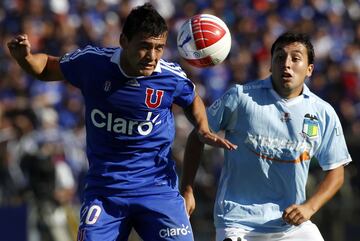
point(289, 68)
point(141, 54)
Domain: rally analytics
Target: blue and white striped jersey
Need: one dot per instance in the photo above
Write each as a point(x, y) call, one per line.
point(129, 122)
point(276, 140)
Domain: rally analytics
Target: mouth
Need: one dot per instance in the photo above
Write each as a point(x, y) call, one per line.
point(286, 76)
point(147, 66)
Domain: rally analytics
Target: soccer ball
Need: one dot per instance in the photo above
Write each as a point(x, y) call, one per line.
point(204, 40)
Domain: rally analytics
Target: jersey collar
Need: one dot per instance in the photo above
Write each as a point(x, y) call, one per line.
point(115, 58)
point(305, 94)
point(268, 84)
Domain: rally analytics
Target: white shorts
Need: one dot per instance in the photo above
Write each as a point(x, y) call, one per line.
point(304, 232)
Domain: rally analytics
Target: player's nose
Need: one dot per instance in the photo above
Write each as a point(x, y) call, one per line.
point(151, 54)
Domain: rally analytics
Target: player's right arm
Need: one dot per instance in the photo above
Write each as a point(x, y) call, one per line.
point(41, 66)
point(328, 187)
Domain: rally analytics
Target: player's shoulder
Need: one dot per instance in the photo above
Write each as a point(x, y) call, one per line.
point(255, 85)
point(320, 104)
point(251, 86)
point(89, 52)
point(172, 68)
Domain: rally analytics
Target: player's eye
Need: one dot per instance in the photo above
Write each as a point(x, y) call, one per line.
point(280, 57)
point(159, 48)
point(144, 47)
point(296, 58)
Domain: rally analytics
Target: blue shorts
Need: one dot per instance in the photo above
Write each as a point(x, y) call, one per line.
point(154, 217)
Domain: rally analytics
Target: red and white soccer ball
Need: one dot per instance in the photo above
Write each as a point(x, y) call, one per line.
point(204, 40)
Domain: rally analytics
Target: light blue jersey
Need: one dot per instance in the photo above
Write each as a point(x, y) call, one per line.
point(276, 140)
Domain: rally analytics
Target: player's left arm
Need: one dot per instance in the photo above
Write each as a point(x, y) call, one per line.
point(196, 114)
point(328, 187)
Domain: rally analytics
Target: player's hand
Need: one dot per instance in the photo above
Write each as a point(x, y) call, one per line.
point(297, 214)
point(189, 201)
point(214, 140)
point(19, 47)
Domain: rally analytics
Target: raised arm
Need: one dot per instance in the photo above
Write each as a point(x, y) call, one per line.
point(329, 186)
point(197, 116)
point(41, 66)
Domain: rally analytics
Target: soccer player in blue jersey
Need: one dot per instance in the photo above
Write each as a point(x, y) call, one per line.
point(128, 93)
point(279, 125)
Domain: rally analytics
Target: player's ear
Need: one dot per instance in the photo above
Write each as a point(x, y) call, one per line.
point(123, 41)
point(310, 70)
point(271, 65)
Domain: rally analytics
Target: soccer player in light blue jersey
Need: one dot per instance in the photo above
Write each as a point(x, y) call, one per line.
point(279, 125)
point(128, 93)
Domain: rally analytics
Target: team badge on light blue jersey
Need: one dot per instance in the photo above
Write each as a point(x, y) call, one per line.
point(311, 126)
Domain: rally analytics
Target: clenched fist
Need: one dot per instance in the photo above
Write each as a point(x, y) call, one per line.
point(19, 47)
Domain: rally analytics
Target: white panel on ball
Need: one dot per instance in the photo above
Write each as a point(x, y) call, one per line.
point(204, 40)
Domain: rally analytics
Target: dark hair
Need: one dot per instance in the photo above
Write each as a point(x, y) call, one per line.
point(144, 19)
point(291, 37)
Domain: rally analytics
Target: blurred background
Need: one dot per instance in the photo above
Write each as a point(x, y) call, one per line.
point(42, 159)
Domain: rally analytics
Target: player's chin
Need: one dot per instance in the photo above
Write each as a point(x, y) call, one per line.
point(146, 71)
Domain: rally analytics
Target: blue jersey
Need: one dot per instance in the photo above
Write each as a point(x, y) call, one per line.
point(276, 140)
point(129, 122)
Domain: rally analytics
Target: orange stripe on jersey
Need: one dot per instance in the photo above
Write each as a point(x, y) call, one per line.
point(305, 156)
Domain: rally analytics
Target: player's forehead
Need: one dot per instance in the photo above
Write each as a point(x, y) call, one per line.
point(149, 38)
point(292, 47)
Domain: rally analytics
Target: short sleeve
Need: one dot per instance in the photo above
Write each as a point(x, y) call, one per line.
point(75, 67)
point(222, 114)
point(333, 151)
point(185, 93)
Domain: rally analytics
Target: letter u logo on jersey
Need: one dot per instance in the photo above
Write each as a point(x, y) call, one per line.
point(150, 102)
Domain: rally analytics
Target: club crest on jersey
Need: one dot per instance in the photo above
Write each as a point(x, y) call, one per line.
point(310, 126)
point(107, 86)
point(150, 101)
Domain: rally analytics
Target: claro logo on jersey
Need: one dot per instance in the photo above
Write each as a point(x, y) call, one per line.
point(170, 232)
point(123, 126)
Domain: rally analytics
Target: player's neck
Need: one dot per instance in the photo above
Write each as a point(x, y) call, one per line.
point(125, 66)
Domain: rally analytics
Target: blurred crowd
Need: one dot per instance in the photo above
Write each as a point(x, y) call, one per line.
point(42, 139)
